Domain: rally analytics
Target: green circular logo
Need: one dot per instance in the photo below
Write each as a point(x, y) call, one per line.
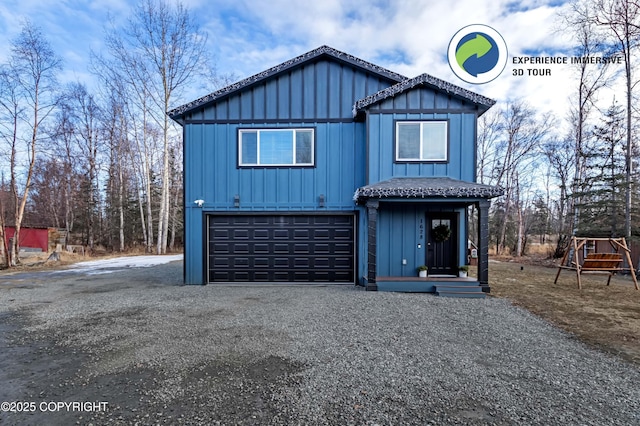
point(477, 54)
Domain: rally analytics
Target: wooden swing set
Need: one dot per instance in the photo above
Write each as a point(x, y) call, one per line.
point(604, 263)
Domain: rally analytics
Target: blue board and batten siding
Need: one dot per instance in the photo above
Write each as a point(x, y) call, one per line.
point(318, 95)
point(317, 91)
point(403, 226)
point(422, 104)
point(398, 224)
point(335, 174)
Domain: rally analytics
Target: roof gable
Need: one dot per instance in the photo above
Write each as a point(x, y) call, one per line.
point(313, 55)
point(427, 80)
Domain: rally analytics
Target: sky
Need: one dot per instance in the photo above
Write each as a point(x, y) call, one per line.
point(245, 37)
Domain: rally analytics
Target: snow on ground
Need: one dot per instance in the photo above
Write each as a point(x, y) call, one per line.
point(105, 266)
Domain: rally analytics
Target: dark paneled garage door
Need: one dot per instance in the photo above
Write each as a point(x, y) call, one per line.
point(282, 248)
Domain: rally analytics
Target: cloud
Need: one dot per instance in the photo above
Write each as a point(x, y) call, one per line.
point(247, 36)
point(72, 27)
point(406, 36)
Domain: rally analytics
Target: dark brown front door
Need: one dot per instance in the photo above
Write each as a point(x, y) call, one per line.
point(442, 243)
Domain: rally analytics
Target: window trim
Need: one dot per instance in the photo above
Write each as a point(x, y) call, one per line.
point(240, 164)
point(396, 146)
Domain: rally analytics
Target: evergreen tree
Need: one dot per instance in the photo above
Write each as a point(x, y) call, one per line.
point(602, 192)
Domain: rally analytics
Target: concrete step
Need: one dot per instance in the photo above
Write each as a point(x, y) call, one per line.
point(461, 294)
point(448, 287)
point(457, 290)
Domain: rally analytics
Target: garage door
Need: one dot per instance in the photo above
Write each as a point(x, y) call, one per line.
point(281, 248)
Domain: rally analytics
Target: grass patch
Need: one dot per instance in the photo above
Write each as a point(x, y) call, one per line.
point(607, 317)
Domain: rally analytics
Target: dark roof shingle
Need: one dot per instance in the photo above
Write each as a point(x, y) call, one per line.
point(424, 80)
point(426, 187)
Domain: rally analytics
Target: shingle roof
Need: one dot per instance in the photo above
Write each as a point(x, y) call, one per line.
point(306, 57)
point(426, 187)
point(427, 80)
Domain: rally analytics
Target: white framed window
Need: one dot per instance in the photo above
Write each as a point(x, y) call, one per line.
point(422, 141)
point(276, 147)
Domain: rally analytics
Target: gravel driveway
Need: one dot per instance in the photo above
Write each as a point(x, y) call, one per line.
point(133, 347)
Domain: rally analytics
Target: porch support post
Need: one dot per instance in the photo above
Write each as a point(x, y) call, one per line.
point(372, 248)
point(483, 245)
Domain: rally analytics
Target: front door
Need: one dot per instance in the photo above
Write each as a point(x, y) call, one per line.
point(442, 243)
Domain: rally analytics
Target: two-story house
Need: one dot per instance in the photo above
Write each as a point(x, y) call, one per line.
point(330, 169)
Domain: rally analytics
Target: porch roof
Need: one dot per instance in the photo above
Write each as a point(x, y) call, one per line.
point(426, 187)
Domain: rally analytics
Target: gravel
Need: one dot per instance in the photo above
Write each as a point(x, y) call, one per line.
point(160, 353)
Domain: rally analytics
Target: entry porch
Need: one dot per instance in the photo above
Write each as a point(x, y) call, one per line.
point(413, 222)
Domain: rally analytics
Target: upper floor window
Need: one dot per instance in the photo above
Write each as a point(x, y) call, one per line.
point(422, 141)
point(276, 147)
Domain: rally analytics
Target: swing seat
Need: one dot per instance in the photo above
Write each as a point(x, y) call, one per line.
point(602, 262)
point(599, 263)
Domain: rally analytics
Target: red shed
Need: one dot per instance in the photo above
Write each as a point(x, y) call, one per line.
point(30, 237)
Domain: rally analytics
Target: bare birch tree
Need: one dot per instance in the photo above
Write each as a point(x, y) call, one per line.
point(157, 52)
point(4, 249)
point(10, 115)
point(31, 81)
point(85, 120)
point(176, 194)
point(521, 135)
point(621, 21)
point(566, 155)
point(115, 128)
point(488, 135)
point(561, 157)
point(64, 149)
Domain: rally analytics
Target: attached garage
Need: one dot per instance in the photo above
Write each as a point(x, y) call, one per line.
point(268, 248)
